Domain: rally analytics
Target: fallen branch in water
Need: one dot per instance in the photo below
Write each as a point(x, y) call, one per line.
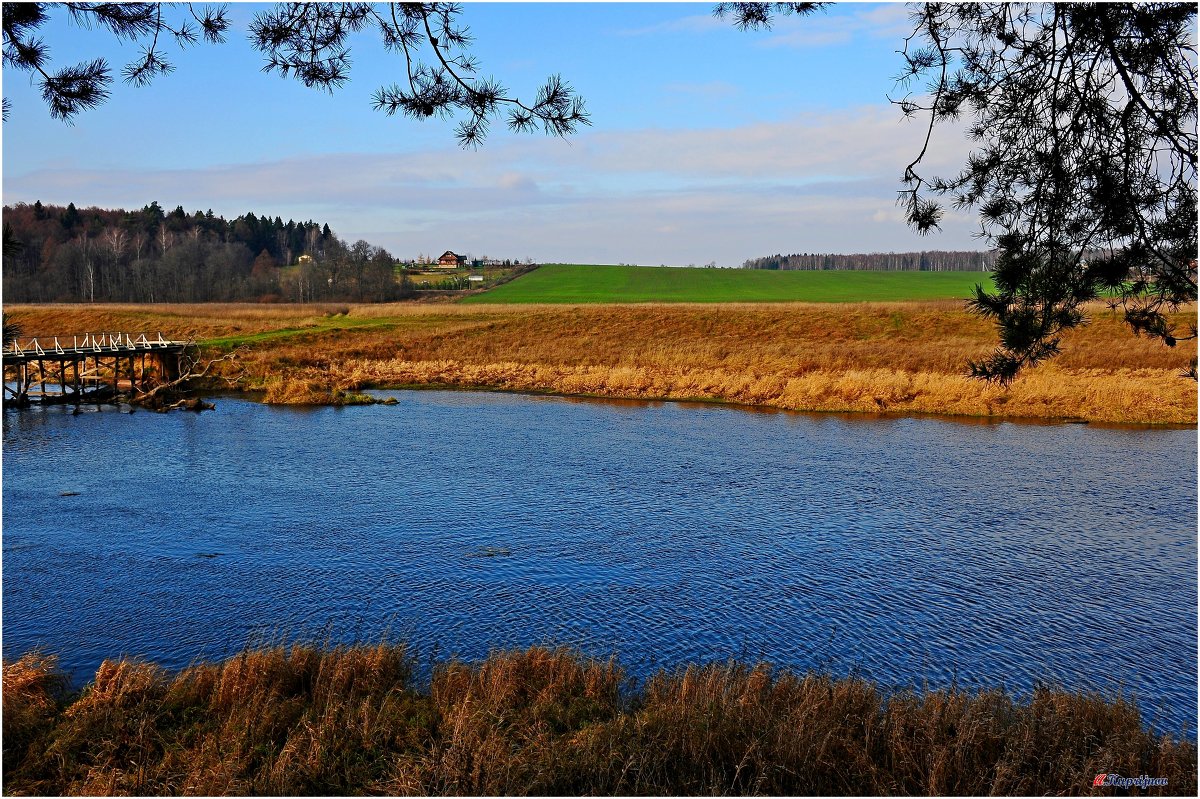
point(166, 396)
point(194, 404)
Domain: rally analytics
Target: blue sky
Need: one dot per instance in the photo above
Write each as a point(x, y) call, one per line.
point(707, 143)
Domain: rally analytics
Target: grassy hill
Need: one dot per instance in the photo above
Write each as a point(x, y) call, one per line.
point(577, 283)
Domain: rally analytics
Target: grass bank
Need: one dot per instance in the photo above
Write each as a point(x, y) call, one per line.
point(579, 283)
point(306, 721)
point(858, 357)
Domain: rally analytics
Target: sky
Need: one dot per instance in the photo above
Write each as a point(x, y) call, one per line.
point(707, 144)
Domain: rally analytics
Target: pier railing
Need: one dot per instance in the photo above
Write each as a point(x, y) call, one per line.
point(80, 365)
point(91, 343)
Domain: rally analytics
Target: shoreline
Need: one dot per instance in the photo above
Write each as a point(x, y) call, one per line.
point(1133, 398)
point(890, 359)
point(257, 395)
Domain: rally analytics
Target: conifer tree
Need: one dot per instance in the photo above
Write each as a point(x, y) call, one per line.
point(306, 41)
point(1083, 173)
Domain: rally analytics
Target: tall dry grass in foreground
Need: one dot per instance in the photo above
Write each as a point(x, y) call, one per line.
point(872, 357)
point(302, 720)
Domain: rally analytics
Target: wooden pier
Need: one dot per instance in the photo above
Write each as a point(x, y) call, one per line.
point(87, 367)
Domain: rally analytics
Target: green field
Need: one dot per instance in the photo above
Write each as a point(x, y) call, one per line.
point(567, 283)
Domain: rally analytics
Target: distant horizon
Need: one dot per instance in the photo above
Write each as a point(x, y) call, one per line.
point(405, 258)
point(707, 143)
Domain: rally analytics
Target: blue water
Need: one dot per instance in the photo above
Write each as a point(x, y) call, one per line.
point(913, 552)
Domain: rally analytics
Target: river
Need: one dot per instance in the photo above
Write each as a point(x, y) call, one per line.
point(910, 551)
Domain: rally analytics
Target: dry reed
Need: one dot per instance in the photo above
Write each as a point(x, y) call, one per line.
point(866, 357)
point(301, 720)
point(33, 689)
point(278, 720)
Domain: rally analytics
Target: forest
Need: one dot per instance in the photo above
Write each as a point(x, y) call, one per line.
point(928, 261)
point(57, 254)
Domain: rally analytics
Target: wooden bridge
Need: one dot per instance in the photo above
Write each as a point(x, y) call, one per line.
point(89, 365)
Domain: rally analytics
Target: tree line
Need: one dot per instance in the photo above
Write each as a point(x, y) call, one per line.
point(57, 254)
point(1082, 118)
point(927, 261)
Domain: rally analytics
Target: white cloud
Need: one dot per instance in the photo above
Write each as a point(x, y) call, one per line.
point(817, 182)
point(810, 38)
point(888, 20)
point(884, 21)
point(874, 20)
point(867, 141)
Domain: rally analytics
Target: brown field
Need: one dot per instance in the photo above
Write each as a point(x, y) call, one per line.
point(864, 357)
point(301, 720)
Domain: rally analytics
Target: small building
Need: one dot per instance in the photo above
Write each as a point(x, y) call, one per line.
point(449, 260)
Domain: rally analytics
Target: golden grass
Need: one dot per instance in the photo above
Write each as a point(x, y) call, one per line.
point(301, 720)
point(865, 357)
point(290, 391)
point(174, 321)
point(1148, 396)
point(285, 391)
point(204, 320)
point(279, 720)
point(33, 687)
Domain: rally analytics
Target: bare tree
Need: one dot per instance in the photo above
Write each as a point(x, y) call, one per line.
point(116, 238)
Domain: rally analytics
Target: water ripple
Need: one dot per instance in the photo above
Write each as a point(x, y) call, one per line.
point(911, 551)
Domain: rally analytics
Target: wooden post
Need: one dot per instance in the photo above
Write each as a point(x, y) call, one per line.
point(76, 381)
point(97, 380)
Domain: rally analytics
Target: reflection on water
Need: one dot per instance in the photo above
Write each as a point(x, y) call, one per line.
point(911, 551)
